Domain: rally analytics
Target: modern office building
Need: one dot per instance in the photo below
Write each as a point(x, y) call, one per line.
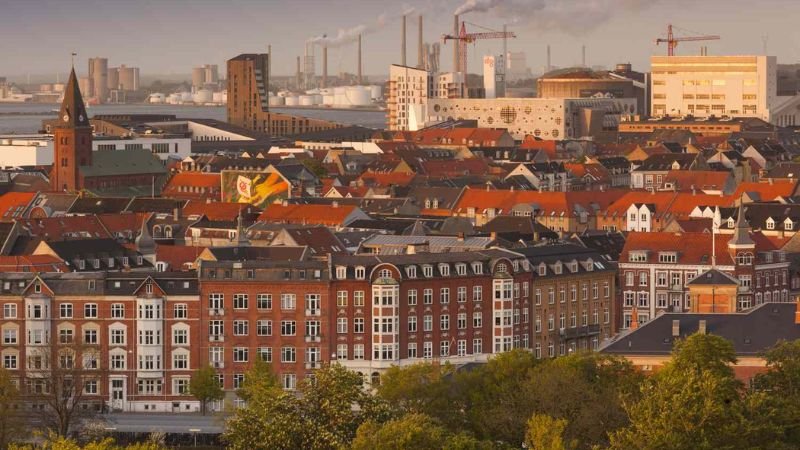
point(409, 90)
point(733, 86)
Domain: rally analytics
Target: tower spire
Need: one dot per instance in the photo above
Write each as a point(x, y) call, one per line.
point(741, 234)
point(73, 111)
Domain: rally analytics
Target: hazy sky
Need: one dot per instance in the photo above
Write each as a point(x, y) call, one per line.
point(171, 36)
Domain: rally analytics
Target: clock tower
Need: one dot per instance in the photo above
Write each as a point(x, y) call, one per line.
point(72, 146)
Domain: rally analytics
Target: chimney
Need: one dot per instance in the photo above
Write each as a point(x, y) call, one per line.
point(420, 46)
point(547, 69)
point(403, 43)
point(359, 59)
point(583, 56)
point(334, 204)
point(298, 81)
point(269, 64)
point(493, 235)
point(176, 214)
point(455, 44)
point(797, 312)
point(676, 328)
point(324, 66)
point(701, 327)
point(460, 236)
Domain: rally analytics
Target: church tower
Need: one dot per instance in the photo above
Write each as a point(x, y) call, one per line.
point(72, 146)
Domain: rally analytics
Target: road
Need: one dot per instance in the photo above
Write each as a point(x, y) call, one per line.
point(168, 423)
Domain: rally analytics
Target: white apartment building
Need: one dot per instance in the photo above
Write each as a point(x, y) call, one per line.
point(409, 89)
point(735, 86)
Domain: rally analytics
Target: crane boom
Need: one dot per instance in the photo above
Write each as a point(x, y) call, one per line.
point(672, 41)
point(465, 38)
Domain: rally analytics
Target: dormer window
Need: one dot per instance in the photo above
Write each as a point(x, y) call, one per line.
point(81, 264)
point(542, 269)
point(361, 273)
point(444, 270)
point(731, 223)
point(148, 288)
point(557, 268)
point(461, 269)
point(37, 288)
point(637, 257)
point(788, 224)
point(385, 273)
point(124, 260)
point(435, 203)
point(477, 268)
point(573, 266)
point(668, 257)
point(427, 271)
point(341, 272)
point(501, 268)
point(770, 224)
point(411, 271)
point(139, 260)
point(515, 265)
point(427, 203)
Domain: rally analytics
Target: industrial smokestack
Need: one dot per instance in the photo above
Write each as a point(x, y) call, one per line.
point(269, 64)
point(324, 66)
point(359, 59)
point(299, 75)
point(420, 47)
point(455, 43)
point(403, 44)
point(547, 69)
point(583, 56)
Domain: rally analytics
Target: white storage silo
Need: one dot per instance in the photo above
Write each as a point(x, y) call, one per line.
point(186, 97)
point(218, 97)
point(292, 100)
point(203, 96)
point(328, 99)
point(340, 96)
point(156, 97)
point(376, 91)
point(306, 100)
point(358, 96)
point(317, 99)
point(174, 99)
point(277, 101)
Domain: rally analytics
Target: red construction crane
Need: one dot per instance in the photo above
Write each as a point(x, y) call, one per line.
point(672, 41)
point(465, 38)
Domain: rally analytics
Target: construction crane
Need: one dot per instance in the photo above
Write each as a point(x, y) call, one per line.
point(672, 41)
point(465, 38)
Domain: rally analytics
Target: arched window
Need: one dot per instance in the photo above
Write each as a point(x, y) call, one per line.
point(375, 379)
point(385, 273)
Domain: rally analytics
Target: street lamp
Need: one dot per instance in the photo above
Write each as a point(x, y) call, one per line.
point(194, 432)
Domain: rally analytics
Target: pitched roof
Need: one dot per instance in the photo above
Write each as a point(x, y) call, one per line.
point(691, 248)
point(218, 210)
point(13, 204)
point(32, 263)
point(698, 179)
point(64, 228)
point(766, 190)
point(307, 214)
point(178, 257)
point(72, 107)
point(108, 163)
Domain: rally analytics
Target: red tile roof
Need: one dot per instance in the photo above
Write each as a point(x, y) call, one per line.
point(548, 146)
point(66, 228)
point(193, 185)
point(307, 214)
point(685, 180)
point(13, 204)
point(33, 263)
point(223, 211)
point(386, 179)
point(767, 191)
point(178, 257)
point(692, 248)
point(472, 166)
point(123, 223)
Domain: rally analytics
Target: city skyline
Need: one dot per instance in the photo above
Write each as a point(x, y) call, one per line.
point(178, 39)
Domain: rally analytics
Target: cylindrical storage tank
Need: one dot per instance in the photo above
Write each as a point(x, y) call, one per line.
point(312, 91)
point(340, 96)
point(218, 97)
point(203, 96)
point(157, 97)
point(174, 99)
point(375, 91)
point(328, 99)
point(186, 97)
point(306, 100)
point(317, 99)
point(277, 101)
point(292, 100)
point(358, 96)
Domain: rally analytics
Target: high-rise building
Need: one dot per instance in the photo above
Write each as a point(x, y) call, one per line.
point(203, 75)
point(73, 140)
point(113, 78)
point(735, 86)
point(248, 102)
point(98, 72)
point(409, 90)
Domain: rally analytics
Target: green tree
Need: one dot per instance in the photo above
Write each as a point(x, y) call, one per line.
point(779, 388)
point(419, 388)
point(11, 423)
point(315, 167)
point(412, 431)
point(258, 380)
point(324, 413)
point(694, 402)
point(546, 433)
point(205, 387)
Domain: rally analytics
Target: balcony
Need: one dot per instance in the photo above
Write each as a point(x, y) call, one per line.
point(578, 332)
point(676, 287)
point(315, 338)
point(213, 312)
point(313, 312)
point(216, 338)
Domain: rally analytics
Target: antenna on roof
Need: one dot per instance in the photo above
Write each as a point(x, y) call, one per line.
point(72, 58)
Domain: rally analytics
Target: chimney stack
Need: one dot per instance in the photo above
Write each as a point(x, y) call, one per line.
point(455, 44)
point(403, 43)
point(359, 59)
point(583, 56)
point(269, 65)
point(547, 69)
point(420, 47)
point(634, 319)
point(797, 312)
point(298, 75)
point(324, 66)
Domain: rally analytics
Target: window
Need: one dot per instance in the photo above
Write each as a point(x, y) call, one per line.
point(65, 310)
point(642, 278)
point(180, 361)
point(10, 336)
point(341, 325)
point(216, 301)
point(477, 319)
point(264, 327)
point(360, 273)
point(477, 293)
point(240, 301)
point(427, 271)
point(10, 311)
point(427, 296)
point(462, 321)
point(637, 257)
point(117, 311)
point(240, 354)
point(288, 302)
point(411, 271)
point(10, 361)
point(412, 297)
point(427, 323)
point(444, 296)
point(313, 303)
point(288, 355)
point(288, 328)
point(341, 299)
point(461, 294)
point(358, 298)
point(341, 272)
point(117, 336)
point(358, 351)
point(118, 362)
point(180, 311)
point(264, 301)
point(412, 324)
point(289, 381)
point(265, 353)
point(90, 311)
point(358, 325)
point(444, 322)
point(241, 327)
point(90, 337)
point(668, 257)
